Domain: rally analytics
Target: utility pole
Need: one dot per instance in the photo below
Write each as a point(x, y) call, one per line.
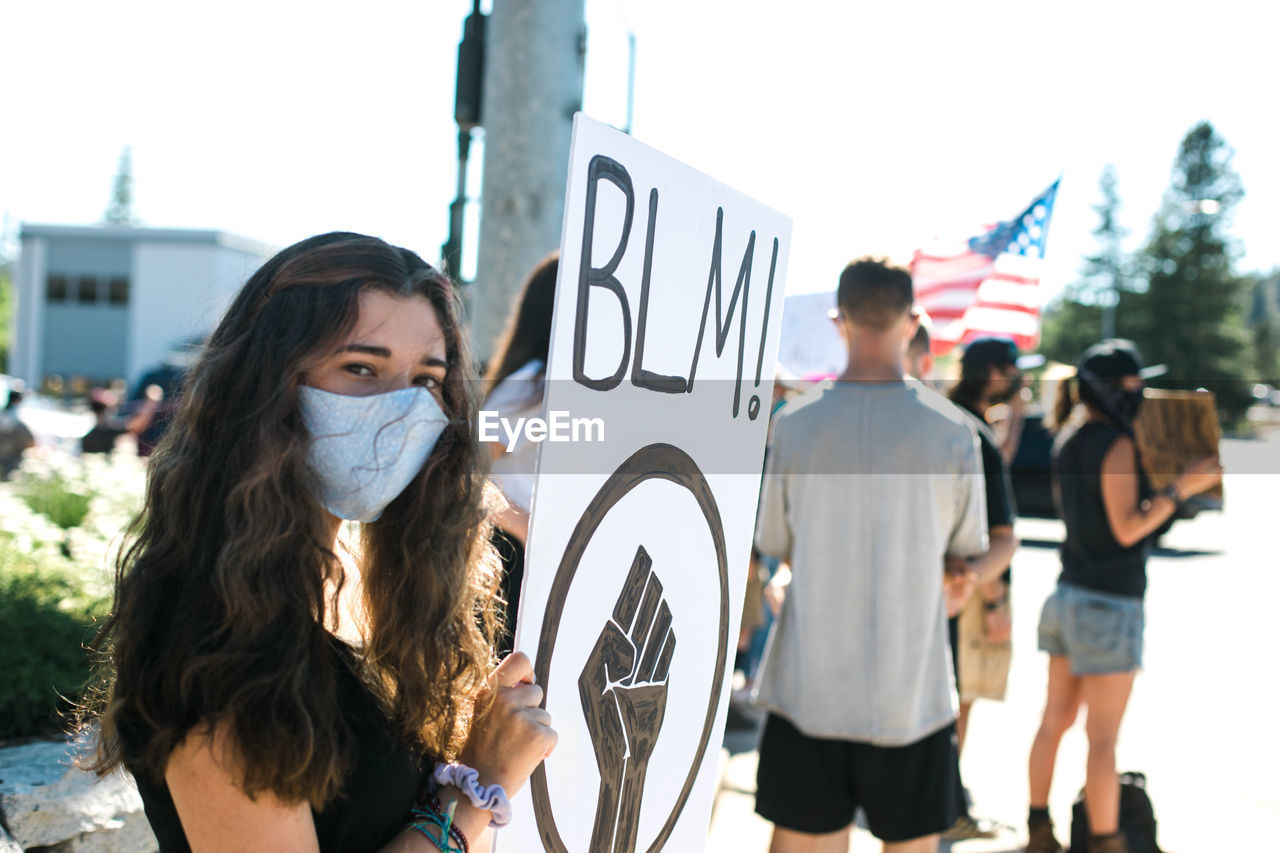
point(532, 87)
point(468, 113)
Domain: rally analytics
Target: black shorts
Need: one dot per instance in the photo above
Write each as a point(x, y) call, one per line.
point(816, 785)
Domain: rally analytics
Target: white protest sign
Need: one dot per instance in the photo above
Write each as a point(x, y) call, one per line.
point(811, 348)
point(665, 334)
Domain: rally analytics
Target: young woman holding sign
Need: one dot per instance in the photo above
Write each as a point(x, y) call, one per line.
point(1092, 624)
point(274, 686)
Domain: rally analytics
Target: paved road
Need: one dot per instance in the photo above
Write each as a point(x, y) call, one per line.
point(1202, 723)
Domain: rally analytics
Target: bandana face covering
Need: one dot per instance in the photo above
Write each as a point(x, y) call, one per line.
point(1129, 403)
point(366, 450)
point(1121, 405)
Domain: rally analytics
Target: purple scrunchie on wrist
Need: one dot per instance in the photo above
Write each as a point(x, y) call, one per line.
point(492, 799)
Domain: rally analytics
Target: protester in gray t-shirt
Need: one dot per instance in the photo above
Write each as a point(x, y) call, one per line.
point(871, 483)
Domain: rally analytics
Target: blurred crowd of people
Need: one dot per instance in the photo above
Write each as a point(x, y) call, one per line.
point(881, 578)
point(135, 426)
point(878, 603)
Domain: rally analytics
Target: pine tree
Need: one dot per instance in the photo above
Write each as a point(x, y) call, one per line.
point(1105, 272)
point(1069, 325)
point(120, 210)
point(1089, 308)
point(1192, 313)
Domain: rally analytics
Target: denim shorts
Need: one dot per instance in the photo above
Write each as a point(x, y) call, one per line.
point(1098, 632)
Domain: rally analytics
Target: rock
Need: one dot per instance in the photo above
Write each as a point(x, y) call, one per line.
point(134, 836)
point(45, 800)
point(7, 844)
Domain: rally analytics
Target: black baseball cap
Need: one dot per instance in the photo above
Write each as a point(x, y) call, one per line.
point(1115, 359)
point(985, 352)
point(997, 352)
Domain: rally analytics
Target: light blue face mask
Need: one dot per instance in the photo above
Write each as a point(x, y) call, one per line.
point(366, 450)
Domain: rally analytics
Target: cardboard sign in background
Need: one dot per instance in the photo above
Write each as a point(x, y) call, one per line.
point(666, 329)
point(1174, 429)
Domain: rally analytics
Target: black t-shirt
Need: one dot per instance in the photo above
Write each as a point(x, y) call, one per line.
point(1091, 556)
point(1000, 507)
point(1001, 511)
point(377, 795)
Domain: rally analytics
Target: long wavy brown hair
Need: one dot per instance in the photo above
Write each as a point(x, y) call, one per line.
point(229, 577)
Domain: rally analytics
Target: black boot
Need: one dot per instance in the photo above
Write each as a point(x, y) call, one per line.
point(1041, 838)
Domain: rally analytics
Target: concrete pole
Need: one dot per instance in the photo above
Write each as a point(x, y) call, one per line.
point(532, 87)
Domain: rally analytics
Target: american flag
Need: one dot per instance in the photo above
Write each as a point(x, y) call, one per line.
point(990, 288)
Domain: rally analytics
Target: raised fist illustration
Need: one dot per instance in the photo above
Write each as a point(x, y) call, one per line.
point(623, 688)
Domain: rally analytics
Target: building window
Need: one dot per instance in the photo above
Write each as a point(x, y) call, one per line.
point(118, 290)
point(87, 289)
point(56, 289)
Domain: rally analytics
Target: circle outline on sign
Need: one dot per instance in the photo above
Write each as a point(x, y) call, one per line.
point(653, 461)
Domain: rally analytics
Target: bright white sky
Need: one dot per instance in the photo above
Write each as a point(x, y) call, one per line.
point(875, 126)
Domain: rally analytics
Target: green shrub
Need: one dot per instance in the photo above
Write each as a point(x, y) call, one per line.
point(46, 620)
point(53, 497)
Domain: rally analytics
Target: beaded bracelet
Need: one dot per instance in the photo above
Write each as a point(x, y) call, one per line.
point(492, 799)
point(427, 813)
point(454, 832)
point(431, 801)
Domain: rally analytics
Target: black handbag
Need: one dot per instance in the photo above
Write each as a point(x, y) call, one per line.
point(1137, 817)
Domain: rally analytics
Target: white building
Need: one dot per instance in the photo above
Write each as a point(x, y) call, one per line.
point(96, 303)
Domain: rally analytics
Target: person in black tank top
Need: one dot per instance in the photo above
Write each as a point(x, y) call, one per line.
point(989, 376)
point(1092, 557)
point(276, 682)
point(1092, 624)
